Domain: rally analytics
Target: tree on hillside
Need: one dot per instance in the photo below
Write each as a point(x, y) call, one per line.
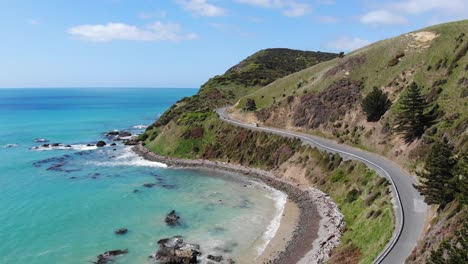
point(375, 104)
point(412, 120)
point(438, 179)
point(250, 105)
point(461, 178)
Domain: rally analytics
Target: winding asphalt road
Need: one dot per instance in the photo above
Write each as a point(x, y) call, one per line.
point(410, 209)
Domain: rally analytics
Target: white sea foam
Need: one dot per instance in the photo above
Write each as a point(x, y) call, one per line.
point(280, 199)
point(11, 146)
point(78, 147)
point(139, 127)
point(129, 158)
point(46, 252)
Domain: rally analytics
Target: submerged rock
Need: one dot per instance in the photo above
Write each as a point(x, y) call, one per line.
point(109, 256)
point(215, 258)
point(175, 251)
point(121, 231)
point(41, 140)
point(172, 218)
point(149, 185)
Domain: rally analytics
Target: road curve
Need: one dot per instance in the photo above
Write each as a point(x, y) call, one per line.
point(410, 209)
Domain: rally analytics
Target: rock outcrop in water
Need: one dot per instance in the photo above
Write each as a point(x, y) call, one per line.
point(109, 256)
point(215, 258)
point(121, 231)
point(100, 144)
point(175, 251)
point(172, 219)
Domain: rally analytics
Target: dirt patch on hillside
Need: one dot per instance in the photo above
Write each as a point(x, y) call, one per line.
point(421, 40)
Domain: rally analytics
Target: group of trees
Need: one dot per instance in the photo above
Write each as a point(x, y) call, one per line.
point(444, 177)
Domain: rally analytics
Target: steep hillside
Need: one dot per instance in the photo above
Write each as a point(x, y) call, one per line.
point(249, 75)
point(405, 98)
point(326, 98)
point(428, 67)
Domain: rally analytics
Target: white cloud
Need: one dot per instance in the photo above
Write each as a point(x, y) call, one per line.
point(326, 19)
point(382, 17)
point(117, 31)
point(422, 6)
point(202, 8)
point(347, 44)
point(290, 8)
point(398, 12)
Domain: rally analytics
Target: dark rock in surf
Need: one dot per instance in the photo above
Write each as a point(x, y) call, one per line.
point(121, 231)
point(215, 258)
point(175, 251)
point(109, 256)
point(113, 133)
point(100, 144)
point(172, 219)
point(125, 134)
point(131, 142)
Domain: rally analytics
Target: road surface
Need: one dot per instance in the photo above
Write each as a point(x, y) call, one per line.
point(410, 209)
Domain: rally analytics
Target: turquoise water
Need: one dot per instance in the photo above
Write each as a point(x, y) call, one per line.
point(62, 206)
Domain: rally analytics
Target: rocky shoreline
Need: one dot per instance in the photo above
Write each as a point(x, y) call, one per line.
point(320, 223)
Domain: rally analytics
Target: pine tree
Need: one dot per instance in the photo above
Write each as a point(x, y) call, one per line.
point(438, 180)
point(375, 105)
point(412, 120)
point(461, 178)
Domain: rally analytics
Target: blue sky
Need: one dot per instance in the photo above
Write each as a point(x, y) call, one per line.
point(182, 43)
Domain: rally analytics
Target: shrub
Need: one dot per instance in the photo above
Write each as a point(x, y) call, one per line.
point(375, 104)
point(250, 105)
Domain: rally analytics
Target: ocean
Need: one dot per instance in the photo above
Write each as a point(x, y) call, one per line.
point(62, 205)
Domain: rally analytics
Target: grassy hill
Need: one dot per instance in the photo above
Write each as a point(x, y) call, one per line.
point(321, 93)
point(244, 78)
point(326, 100)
